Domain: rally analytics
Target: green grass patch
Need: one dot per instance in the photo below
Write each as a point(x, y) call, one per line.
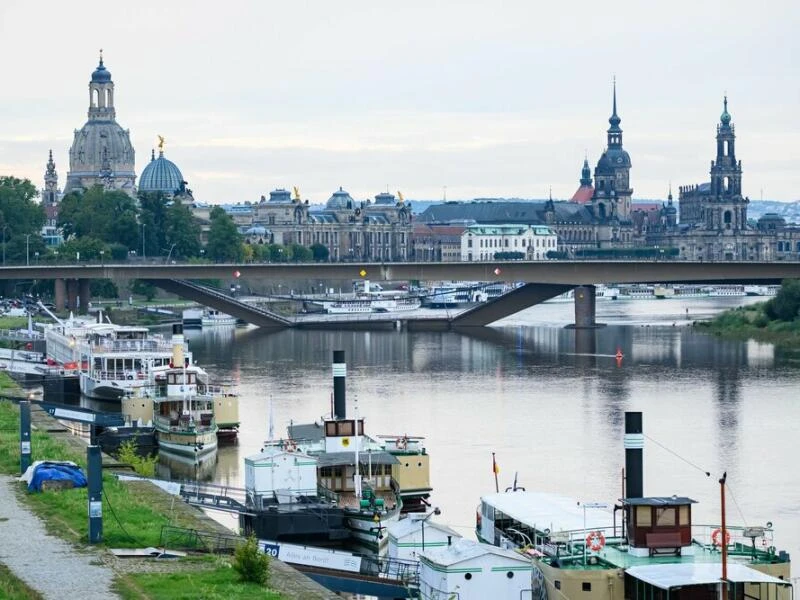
point(752, 322)
point(12, 588)
point(218, 582)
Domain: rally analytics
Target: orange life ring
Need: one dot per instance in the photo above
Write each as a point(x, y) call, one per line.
point(716, 537)
point(595, 541)
point(401, 443)
point(290, 446)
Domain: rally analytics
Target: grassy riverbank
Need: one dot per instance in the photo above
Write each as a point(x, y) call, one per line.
point(776, 321)
point(134, 514)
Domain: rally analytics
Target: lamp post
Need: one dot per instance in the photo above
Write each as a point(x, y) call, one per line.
point(585, 535)
point(170, 252)
point(27, 248)
point(4, 244)
point(435, 511)
point(144, 256)
point(102, 252)
point(36, 256)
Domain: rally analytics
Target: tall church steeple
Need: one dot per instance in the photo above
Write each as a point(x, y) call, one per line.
point(614, 132)
point(586, 173)
point(726, 172)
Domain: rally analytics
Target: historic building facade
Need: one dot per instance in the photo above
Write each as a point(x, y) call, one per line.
point(350, 230)
point(51, 196)
point(484, 242)
point(101, 151)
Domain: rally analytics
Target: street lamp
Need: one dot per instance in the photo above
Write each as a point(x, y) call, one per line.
point(435, 511)
point(144, 256)
point(36, 256)
point(27, 248)
point(585, 534)
point(102, 252)
point(170, 252)
point(4, 244)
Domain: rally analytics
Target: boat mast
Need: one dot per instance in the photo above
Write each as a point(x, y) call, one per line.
point(357, 475)
point(723, 540)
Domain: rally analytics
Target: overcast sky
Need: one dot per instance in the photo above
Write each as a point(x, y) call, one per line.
point(481, 98)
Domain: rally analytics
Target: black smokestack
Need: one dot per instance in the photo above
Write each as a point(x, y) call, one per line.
point(634, 444)
point(339, 377)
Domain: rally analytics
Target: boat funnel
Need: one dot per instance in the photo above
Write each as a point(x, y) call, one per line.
point(177, 345)
point(634, 449)
point(339, 377)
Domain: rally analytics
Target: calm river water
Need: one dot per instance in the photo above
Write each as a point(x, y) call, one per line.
point(550, 405)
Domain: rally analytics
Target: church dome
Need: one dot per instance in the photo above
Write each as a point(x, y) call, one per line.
point(725, 117)
point(160, 175)
point(101, 74)
point(340, 200)
point(385, 198)
point(614, 158)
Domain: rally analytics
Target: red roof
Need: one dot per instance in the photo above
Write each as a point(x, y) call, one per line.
point(646, 206)
point(583, 195)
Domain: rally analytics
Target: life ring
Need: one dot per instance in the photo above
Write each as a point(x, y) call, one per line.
point(290, 446)
point(130, 377)
point(716, 537)
point(595, 541)
point(401, 443)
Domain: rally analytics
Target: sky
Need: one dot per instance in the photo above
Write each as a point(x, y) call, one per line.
point(460, 99)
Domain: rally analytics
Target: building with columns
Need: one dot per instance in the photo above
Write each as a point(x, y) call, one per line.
point(101, 151)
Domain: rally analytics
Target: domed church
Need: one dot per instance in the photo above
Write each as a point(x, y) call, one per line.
point(101, 152)
point(161, 175)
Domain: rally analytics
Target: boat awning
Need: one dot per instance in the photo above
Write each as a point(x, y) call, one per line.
point(337, 459)
point(676, 575)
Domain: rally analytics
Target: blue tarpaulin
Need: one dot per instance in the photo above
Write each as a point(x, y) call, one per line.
point(52, 471)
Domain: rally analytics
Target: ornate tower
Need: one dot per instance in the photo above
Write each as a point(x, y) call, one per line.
point(101, 151)
point(586, 174)
point(612, 191)
point(50, 193)
point(727, 209)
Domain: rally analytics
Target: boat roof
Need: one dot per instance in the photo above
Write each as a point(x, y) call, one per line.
point(410, 525)
point(667, 576)
point(549, 511)
point(658, 501)
point(312, 432)
point(462, 550)
point(334, 459)
point(271, 452)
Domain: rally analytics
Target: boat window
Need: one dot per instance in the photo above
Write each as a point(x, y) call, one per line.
point(586, 586)
point(325, 472)
point(345, 428)
point(683, 515)
point(665, 517)
point(361, 428)
point(643, 516)
point(330, 428)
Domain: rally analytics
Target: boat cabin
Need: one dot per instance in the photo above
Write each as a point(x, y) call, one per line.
point(658, 525)
point(341, 436)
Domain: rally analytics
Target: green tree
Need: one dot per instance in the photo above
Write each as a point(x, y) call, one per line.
point(251, 564)
point(107, 216)
point(320, 252)
point(153, 223)
point(300, 253)
point(83, 249)
point(19, 214)
point(224, 240)
point(22, 248)
point(785, 306)
point(182, 230)
point(143, 288)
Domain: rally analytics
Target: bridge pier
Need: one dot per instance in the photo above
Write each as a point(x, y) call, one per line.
point(72, 294)
point(84, 296)
point(585, 307)
point(60, 293)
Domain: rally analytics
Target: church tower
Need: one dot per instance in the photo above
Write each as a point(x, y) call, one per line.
point(101, 151)
point(612, 191)
point(726, 209)
point(50, 193)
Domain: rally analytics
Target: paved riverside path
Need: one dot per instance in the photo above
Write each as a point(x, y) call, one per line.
point(48, 564)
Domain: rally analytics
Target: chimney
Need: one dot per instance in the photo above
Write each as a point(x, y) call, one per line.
point(177, 345)
point(449, 540)
point(634, 444)
point(339, 377)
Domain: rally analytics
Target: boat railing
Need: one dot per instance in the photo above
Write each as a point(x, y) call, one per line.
point(327, 494)
point(120, 375)
point(403, 443)
point(740, 540)
point(197, 423)
point(220, 390)
point(131, 346)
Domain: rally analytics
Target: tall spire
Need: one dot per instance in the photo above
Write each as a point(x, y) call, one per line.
point(725, 117)
point(614, 119)
point(586, 173)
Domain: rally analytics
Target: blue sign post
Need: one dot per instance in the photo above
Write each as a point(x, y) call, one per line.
point(24, 435)
point(94, 464)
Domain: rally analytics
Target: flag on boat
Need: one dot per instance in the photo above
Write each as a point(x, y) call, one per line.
point(495, 466)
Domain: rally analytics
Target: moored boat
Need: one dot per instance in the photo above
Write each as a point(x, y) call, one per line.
point(654, 551)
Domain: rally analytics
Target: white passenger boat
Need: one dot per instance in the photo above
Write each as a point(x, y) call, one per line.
point(113, 359)
point(213, 318)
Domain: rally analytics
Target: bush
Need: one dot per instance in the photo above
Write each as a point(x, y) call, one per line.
point(251, 564)
point(143, 465)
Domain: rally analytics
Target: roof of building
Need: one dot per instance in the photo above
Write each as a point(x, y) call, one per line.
point(583, 194)
point(330, 459)
point(544, 511)
point(339, 200)
point(531, 213)
point(160, 175)
point(385, 198)
point(101, 74)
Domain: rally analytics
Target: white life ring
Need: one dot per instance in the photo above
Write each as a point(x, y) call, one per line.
point(401, 443)
point(290, 446)
point(595, 541)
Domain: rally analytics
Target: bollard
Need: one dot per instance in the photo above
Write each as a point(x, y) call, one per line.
point(24, 436)
point(94, 464)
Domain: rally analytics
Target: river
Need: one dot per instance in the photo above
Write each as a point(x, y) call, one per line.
point(550, 405)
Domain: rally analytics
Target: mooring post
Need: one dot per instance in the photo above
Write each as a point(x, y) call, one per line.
point(24, 436)
point(94, 463)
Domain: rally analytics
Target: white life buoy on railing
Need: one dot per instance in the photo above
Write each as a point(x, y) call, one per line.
point(401, 443)
point(716, 537)
point(290, 446)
